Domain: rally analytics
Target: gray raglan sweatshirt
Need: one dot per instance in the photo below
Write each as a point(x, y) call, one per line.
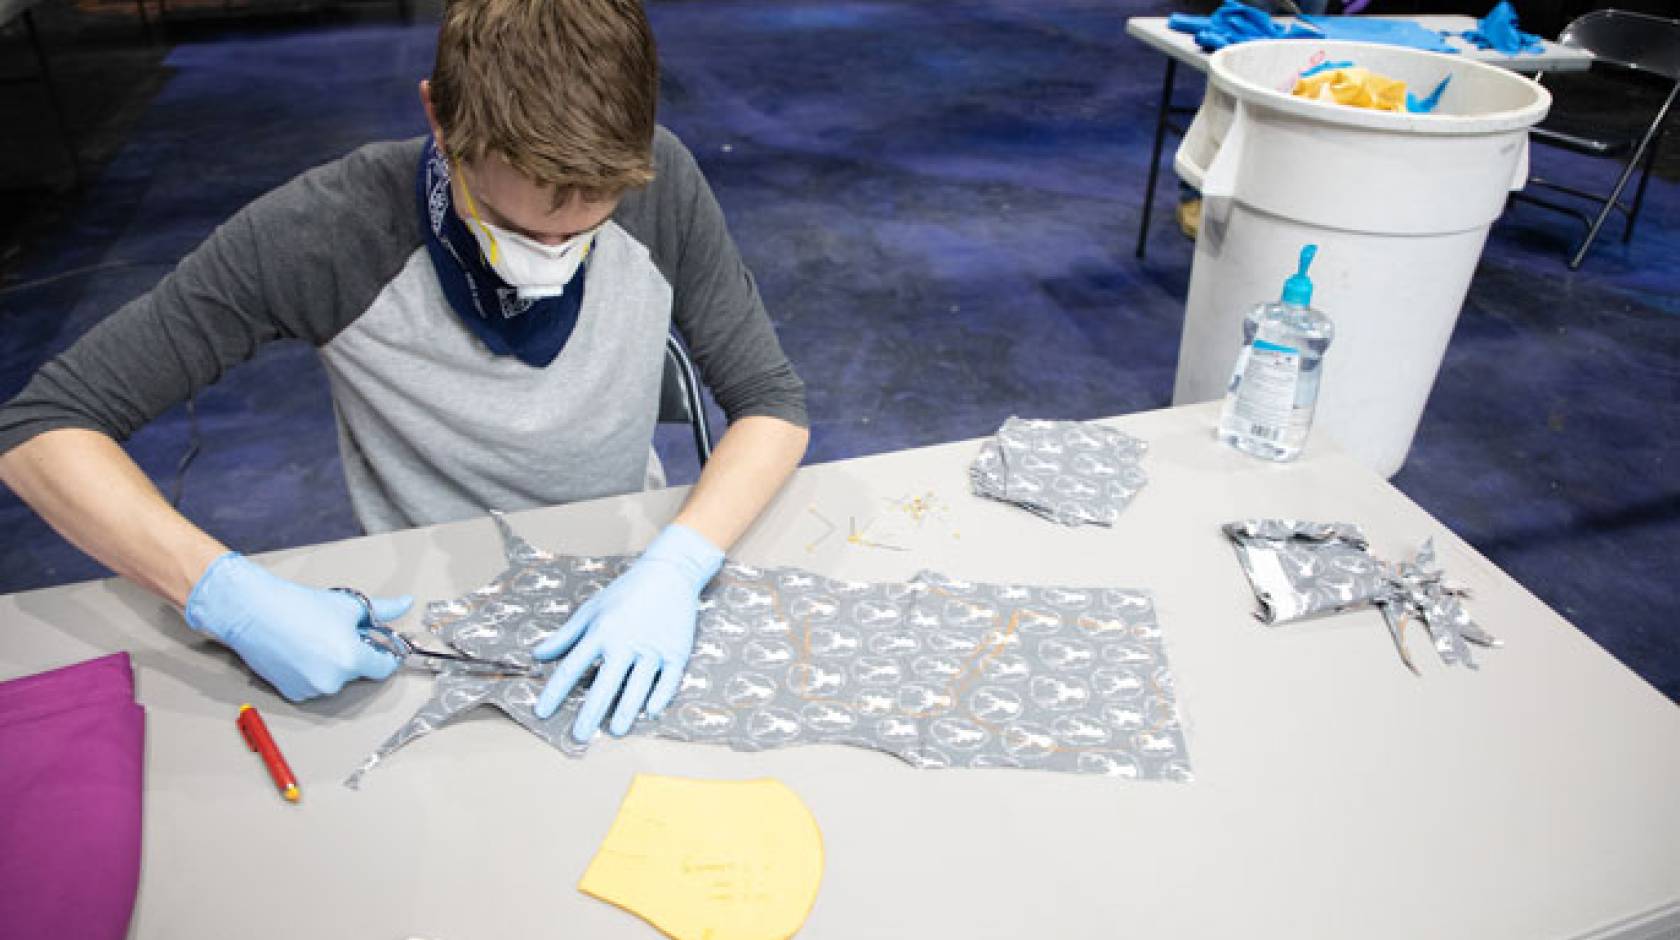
point(432, 426)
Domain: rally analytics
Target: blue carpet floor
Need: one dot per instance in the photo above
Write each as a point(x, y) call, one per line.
point(939, 201)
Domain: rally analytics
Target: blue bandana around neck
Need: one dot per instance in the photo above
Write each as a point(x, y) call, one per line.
point(533, 330)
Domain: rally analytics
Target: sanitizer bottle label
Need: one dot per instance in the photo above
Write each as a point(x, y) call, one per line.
point(1266, 398)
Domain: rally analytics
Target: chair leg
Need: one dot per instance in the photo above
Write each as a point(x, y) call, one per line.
point(145, 21)
point(1155, 153)
point(1639, 194)
point(52, 98)
point(1645, 145)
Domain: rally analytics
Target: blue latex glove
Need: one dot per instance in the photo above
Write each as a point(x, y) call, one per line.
point(1236, 22)
point(1498, 30)
point(1402, 33)
point(638, 627)
point(302, 640)
point(1426, 104)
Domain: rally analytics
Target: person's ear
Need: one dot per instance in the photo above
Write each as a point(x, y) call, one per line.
point(431, 112)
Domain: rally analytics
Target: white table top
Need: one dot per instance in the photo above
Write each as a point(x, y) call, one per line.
point(1337, 794)
point(1153, 31)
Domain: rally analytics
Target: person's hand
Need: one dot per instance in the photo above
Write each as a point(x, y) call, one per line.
point(638, 628)
point(302, 640)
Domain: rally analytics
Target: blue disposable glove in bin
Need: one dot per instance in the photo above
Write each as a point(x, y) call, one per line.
point(638, 628)
point(303, 640)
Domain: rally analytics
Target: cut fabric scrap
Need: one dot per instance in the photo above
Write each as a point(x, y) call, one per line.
point(1353, 87)
point(73, 741)
point(1419, 590)
point(711, 859)
point(1070, 472)
point(1498, 31)
point(934, 671)
point(1304, 569)
point(1346, 84)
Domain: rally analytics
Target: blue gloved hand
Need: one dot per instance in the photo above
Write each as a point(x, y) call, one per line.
point(640, 626)
point(302, 640)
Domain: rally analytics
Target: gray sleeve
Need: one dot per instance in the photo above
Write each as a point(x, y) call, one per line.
point(715, 302)
point(301, 262)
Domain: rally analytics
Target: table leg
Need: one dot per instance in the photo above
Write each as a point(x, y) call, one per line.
point(1155, 153)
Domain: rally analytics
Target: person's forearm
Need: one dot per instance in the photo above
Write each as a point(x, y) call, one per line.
point(755, 457)
point(86, 487)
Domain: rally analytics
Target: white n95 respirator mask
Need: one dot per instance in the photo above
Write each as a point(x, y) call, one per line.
point(532, 268)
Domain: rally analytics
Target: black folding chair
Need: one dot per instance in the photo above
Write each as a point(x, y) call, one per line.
point(1627, 48)
point(680, 401)
point(21, 11)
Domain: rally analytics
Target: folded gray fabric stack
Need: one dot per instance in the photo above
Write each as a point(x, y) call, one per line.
point(1069, 472)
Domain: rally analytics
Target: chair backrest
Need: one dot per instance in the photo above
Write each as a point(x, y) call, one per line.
point(1636, 41)
point(680, 401)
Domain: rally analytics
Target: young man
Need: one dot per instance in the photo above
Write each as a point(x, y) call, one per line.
point(491, 306)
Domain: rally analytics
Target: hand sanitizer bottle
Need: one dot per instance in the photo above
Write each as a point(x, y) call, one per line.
point(1274, 387)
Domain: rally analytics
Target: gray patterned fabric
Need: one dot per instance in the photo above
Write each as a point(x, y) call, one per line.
point(935, 671)
point(1069, 472)
point(1303, 569)
point(1421, 592)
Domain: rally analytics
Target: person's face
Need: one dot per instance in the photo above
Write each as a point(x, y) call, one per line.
point(508, 200)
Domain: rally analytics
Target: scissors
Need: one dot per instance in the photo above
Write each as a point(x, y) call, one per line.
point(386, 640)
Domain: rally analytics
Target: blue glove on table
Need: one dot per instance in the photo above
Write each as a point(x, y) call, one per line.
point(1235, 22)
point(302, 640)
point(1401, 33)
point(638, 627)
point(1498, 30)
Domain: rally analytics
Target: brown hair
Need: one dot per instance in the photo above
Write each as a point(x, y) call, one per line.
point(563, 90)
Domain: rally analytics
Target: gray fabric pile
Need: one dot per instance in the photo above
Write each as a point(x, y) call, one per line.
point(1304, 569)
point(1070, 472)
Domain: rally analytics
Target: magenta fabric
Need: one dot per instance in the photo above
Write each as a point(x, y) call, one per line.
point(72, 754)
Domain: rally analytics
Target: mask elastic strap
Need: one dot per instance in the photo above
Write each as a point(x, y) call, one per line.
point(472, 210)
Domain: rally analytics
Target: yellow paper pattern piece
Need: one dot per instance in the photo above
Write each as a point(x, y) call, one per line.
point(1355, 87)
point(710, 859)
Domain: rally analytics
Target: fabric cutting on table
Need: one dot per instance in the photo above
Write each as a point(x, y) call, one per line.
point(1070, 472)
point(1305, 569)
point(935, 671)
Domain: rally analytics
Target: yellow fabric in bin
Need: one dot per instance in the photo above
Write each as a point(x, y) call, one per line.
point(1356, 87)
point(711, 859)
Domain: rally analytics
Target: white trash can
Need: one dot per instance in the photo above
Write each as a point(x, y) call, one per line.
point(1399, 205)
